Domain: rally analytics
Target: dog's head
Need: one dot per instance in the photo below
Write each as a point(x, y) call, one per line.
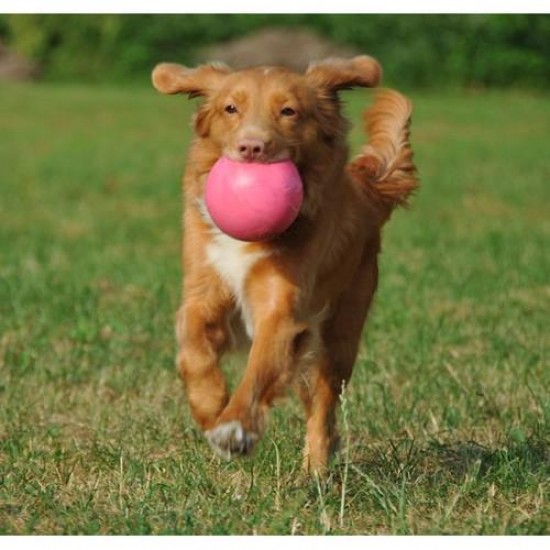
point(266, 114)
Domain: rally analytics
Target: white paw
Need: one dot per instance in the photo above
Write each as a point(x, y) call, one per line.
point(231, 439)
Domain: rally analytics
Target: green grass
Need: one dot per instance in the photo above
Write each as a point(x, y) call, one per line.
point(447, 419)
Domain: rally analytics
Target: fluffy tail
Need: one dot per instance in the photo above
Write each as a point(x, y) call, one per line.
point(385, 167)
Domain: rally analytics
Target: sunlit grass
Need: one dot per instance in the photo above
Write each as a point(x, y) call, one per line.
point(448, 413)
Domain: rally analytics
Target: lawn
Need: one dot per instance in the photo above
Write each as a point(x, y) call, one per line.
point(446, 423)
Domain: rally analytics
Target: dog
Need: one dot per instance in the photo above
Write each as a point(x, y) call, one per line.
point(302, 296)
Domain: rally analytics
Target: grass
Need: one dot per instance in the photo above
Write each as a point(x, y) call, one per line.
point(447, 420)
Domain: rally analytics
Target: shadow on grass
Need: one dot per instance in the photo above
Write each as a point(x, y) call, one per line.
point(452, 462)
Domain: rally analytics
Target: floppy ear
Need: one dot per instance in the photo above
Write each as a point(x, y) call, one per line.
point(171, 78)
point(343, 74)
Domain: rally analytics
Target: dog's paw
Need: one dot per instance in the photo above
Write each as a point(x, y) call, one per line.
point(231, 439)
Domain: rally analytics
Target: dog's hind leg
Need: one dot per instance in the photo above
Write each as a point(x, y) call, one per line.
point(321, 388)
point(319, 392)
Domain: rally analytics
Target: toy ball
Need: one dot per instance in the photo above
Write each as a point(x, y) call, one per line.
point(253, 201)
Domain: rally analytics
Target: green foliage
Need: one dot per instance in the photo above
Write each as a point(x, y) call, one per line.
point(4, 27)
point(416, 50)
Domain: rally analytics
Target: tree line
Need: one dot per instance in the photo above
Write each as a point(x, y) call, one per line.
point(416, 50)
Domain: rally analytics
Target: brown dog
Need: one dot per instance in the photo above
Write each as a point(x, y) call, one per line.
point(303, 296)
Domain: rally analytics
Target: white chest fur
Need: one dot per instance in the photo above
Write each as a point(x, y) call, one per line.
point(233, 260)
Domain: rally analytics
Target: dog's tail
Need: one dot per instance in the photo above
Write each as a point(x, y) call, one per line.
point(385, 167)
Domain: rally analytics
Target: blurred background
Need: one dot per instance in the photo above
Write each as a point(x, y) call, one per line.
point(415, 50)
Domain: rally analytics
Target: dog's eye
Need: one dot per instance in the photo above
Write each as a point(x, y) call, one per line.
point(231, 109)
point(288, 111)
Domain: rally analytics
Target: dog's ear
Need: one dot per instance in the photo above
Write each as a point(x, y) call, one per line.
point(171, 78)
point(343, 74)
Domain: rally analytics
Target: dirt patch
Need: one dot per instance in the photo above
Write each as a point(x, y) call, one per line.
point(14, 66)
point(293, 48)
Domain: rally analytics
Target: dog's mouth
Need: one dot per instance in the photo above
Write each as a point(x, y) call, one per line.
point(260, 158)
point(258, 153)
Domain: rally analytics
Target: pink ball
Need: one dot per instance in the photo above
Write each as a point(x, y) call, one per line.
point(253, 201)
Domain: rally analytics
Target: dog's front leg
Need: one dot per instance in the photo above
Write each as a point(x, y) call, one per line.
point(202, 337)
point(277, 341)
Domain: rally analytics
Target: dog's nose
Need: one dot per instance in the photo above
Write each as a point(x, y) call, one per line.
point(250, 148)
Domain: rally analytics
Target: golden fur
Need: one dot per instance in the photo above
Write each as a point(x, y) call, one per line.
point(304, 294)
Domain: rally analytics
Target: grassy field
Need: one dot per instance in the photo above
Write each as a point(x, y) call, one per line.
point(446, 423)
